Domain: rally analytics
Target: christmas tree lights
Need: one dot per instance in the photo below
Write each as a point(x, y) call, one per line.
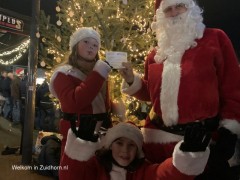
point(124, 25)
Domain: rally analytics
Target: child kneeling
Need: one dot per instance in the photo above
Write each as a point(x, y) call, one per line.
point(119, 155)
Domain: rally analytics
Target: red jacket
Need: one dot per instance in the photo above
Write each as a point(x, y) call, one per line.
point(78, 93)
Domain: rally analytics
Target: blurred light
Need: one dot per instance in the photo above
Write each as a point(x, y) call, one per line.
point(40, 80)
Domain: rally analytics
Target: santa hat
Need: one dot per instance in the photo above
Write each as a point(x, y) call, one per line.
point(82, 33)
point(166, 3)
point(157, 4)
point(127, 130)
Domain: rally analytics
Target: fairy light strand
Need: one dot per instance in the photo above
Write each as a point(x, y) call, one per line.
point(19, 51)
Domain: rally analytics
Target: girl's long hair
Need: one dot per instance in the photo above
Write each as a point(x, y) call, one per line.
point(73, 57)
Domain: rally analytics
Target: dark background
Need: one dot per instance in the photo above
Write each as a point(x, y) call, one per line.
point(25, 6)
point(223, 14)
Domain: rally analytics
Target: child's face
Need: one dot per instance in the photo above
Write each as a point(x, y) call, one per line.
point(88, 48)
point(124, 151)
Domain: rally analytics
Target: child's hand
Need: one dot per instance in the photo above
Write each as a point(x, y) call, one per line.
point(127, 72)
point(102, 68)
point(195, 139)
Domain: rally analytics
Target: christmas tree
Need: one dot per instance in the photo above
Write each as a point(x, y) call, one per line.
point(124, 25)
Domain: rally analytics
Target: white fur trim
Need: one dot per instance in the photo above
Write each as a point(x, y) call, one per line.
point(232, 125)
point(67, 70)
point(82, 33)
point(98, 104)
point(137, 84)
point(102, 68)
point(118, 173)
point(170, 87)
point(159, 136)
point(79, 149)
point(190, 163)
point(167, 3)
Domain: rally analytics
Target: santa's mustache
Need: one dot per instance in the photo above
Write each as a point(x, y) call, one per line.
point(180, 19)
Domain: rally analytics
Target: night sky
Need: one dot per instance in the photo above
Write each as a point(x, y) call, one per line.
point(224, 14)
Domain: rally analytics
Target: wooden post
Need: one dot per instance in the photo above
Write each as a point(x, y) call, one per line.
point(27, 144)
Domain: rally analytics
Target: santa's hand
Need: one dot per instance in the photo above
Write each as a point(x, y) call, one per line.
point(221, 152)
point(196, 139)
point(225, 145)
point(102, 68)
point(127, 72)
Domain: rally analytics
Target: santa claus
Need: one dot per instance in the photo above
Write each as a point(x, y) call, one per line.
point(191, 78)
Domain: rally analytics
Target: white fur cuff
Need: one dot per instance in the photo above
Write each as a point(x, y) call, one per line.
point(232, 125)
point(168, 3)
point(190, 163)
point(102, 68)
point(79, 149)
point(137, 84)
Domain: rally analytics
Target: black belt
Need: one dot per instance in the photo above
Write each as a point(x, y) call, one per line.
point(96, 117)
point(69, 116)
point(210, 124)
point(74, 116)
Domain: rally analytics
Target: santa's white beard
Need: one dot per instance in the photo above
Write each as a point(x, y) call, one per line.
point(176, 34)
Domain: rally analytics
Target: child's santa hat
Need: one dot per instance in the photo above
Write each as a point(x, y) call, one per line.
point(127, 130)
point(82, 33)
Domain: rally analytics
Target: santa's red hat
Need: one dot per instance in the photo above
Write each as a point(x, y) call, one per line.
point(157, 4)
point(166, 3)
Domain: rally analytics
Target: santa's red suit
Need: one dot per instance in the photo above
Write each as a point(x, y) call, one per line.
point(204, 84)
point(79, 162)
point(78, 94)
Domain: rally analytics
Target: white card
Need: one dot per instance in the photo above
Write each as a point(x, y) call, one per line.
point(115, 58)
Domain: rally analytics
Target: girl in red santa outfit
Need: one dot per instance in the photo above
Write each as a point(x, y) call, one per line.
point(119, 156)
point(81, 87)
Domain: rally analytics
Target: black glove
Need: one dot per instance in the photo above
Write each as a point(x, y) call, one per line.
point(86, 129)
point(195, 139)
point(225, 145)
point(220, 153)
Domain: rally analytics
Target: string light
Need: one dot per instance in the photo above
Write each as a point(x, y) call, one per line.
point(21, 46)
point(20, 50)
point(140, 20)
